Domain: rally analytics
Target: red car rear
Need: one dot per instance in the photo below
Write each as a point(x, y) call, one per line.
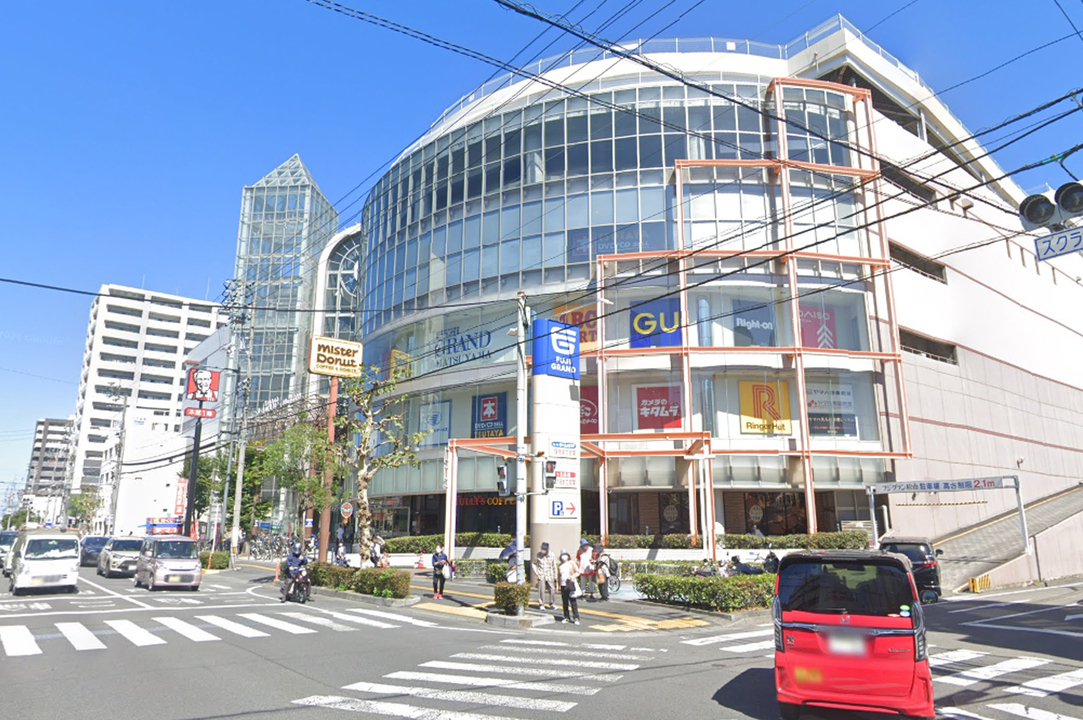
point(849, 633)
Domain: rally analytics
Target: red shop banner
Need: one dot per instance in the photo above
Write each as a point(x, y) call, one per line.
point(588, 410)
point(658, 407)
point(818, 327)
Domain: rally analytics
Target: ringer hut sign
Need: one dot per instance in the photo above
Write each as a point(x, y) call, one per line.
point(339, 358)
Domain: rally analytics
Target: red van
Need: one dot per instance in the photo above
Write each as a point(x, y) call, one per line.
point(849, 634)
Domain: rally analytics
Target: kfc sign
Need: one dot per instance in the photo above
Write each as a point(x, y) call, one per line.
point(202, 385)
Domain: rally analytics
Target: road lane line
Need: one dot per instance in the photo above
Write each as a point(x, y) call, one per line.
point(731, 636)
point(1028, 712)
point(551, 643)
point(186, 629)
point(18, 640)
point(374, 707)
point(106, 590)
point(135, 634)
point(970, 677)
point(489, 681)
point(958, 712)
point(954, 656)
point(979, 607)
point(1049, 684)
point(534, 672)
point(394, 617)
point(79, 636)
point(319, 620)
point(359, 620)
point(569, 653)
point(464, 696)
point(277, 624)
point(573, 663)
point(234, 627)
point(750, 647)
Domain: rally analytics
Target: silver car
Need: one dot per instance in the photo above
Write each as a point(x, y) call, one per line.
point(168, 561)
point(119, 557)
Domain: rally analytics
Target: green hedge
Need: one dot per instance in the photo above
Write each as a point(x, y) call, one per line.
point(742, 592)
point(215, 561)
point(510, 597)
point(425, 544)
point(367, 581)
point(849, 540)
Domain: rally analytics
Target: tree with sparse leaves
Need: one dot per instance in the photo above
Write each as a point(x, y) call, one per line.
point(83, 506)
point(298, 458)
point(377, 436)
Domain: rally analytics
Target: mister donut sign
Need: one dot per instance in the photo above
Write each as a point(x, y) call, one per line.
point(339, 358)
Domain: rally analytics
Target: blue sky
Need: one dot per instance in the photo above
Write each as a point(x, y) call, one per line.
point(129, 128)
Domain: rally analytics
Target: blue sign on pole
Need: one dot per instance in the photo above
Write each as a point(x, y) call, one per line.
point(556, 349)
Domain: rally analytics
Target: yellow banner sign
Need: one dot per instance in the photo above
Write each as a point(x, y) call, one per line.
point(340, 358)
point(765, 408)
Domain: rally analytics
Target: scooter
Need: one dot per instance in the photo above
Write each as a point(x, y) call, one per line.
point(301, 587)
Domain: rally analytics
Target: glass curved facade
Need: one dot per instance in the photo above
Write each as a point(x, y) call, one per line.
point(733, 236)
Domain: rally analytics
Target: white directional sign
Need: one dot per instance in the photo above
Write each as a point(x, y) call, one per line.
point(985, 483)
point(1059, 243)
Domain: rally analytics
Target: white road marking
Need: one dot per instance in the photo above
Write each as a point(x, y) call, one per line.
point(970, 677)
point(533, 661)
point(1049, 684)
point(319, 620)
point(79, 636)
point(1040, 631)
point(1028, 712)
point(391, 709)
point(359, 620)
point(489, 681)
point(507, 670)
point(568, 653)
point(958, 712)
point(750, 647)
point(731, 636)
point(954, 656)
point(18, 640)
point(186, 629)
point(979, 607)
point(233, 627)
point(107, 591)
point(277, 624)
point(135, 634)
point(397, 618)
point(220, 587)
point(552, 643)
point(145, 608)
point(464, 696)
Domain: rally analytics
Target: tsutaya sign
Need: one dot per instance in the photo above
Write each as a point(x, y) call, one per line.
point(338, 358)
point(555, 515)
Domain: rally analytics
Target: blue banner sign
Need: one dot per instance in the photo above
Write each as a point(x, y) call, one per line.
point(656, 323)
point(490, 415)
point(556, 349)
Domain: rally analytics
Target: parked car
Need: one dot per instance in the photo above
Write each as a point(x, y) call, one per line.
point(168, 561)
point(7, 539)
point(43, 559)
point(850, 634)
point(90, 548)
point(923, 563)
point(119, 556)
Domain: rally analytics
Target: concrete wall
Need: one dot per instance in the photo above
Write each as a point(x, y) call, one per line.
point(1056, 555)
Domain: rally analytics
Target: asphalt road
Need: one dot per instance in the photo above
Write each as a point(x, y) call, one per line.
point(232, 650)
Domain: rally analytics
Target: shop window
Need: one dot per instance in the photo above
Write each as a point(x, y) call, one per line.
point(624, 514)
point(781, 513)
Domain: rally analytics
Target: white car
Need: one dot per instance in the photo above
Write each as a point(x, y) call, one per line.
point(44, 559)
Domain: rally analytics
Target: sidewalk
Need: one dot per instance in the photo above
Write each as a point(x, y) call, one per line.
point(976, 552)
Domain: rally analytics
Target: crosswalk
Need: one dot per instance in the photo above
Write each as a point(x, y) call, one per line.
point(161, 629)
point(537, 676)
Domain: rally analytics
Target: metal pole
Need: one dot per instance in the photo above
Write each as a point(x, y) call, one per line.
point(1022, 517)
point(193, 473)
point(872, 514)
point(235, 535)
point(520, 437)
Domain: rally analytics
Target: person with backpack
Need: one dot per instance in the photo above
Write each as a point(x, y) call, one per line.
point(602, 569)
point(441, 567)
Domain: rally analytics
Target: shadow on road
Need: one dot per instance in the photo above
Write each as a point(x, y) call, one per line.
point(752, 693)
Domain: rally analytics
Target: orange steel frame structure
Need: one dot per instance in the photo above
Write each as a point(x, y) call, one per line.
point(697, 446)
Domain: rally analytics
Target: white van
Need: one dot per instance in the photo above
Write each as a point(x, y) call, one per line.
point(44, 559)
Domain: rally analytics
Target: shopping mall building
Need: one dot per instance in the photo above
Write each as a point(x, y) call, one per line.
point(795, 274)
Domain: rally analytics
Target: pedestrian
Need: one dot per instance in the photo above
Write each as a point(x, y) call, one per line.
point(756, 530)
point(340, 556)
point(586, 567)
point(347, 536)
point(339, 533)
point(545, 573)
point(439, 573)
point(511, 555)
point(376, 551)
point(569, 589)
point(600, 560)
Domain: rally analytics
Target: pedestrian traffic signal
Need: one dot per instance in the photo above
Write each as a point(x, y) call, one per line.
point(1052, 209)
point(502, 481)
point(550, 474)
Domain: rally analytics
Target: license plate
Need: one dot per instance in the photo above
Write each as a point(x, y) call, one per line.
point(846, 644)
point(173, 578)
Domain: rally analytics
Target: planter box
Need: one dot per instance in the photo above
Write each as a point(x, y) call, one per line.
point(520, 622)
point(366, 599)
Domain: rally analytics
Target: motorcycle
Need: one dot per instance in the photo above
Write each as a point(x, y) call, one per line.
point(737, 567)
point(300, 590)
point(770, 563)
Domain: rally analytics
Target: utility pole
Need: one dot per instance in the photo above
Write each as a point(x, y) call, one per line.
point(522, 317)
point(245, 387)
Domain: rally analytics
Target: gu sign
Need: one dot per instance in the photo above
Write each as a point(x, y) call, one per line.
point(338, 358)
point(556, 349)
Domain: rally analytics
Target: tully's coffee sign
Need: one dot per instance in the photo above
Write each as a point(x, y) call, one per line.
point(340, 358)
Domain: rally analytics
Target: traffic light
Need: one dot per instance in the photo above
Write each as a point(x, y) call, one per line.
point(1047, 210)
point(502, 488)
point(550, 474)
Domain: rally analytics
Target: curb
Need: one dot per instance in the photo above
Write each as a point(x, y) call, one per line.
point(367, 599)
point(518, 622)
point(757, 614)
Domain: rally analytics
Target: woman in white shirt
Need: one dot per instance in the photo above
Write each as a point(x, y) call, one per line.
point(568, 572)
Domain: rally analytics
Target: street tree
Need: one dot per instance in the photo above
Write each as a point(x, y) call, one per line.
point(83, 506)
point(376, 436)
point(298, 458)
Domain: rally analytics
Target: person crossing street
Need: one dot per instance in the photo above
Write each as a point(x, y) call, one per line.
point(546, 577)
